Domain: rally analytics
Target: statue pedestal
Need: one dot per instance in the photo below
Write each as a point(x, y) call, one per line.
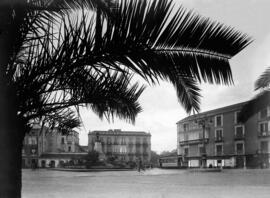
point(98, 148)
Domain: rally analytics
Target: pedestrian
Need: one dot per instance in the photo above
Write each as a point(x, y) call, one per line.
point(140, 165)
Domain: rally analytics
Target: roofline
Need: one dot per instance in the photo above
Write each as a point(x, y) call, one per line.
point(119, 133)
point(213, 111)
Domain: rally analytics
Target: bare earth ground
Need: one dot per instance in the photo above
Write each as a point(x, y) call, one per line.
point(155, 183)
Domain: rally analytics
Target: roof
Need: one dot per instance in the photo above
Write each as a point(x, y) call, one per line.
point(63, 155)
point(119, 132)
point(229, 108)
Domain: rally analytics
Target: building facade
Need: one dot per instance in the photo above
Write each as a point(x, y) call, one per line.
point(50, 148)
point(30, 150)
point(217, 138)
point(123, 145)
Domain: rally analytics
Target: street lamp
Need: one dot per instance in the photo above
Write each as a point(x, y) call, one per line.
point(203, 122)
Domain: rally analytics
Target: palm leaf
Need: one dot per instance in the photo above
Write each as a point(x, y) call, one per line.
point(187, 42)
point(263, 81)
point(65, 121)
point(255, 105)
point(143, 38)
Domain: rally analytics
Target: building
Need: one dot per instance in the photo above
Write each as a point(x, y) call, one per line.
point(30, 151)
point(123, 145)
point(44, 147)
point(217, 138)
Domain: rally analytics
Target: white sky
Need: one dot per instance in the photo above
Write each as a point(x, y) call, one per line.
point(161, 109)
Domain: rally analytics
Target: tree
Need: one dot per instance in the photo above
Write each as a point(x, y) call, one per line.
point(168, 153)
point(91, 159)
point(260, 101)
point(154, 158)
point(43, 71)
point(30, 90)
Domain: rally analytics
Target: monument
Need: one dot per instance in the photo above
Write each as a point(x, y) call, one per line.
point(98, 148)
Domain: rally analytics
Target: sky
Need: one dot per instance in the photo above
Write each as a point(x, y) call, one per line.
point(161, 109)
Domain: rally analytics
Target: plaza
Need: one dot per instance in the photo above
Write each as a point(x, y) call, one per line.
point(156, 183)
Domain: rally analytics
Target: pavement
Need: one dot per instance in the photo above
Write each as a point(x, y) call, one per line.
point(154, 183)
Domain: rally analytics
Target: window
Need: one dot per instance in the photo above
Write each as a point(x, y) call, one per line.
point(69, 149)
point(30, 140)
point(219, 134)
point(264, 146)
point(219, 149)
point(185, 137)
point(185, 151)
point(236, 117)
point(201, 150)
point(145, 140)
point(109, 141)
point(239, 131)
point(218, 121)
point(263, 128)
point(34, 140)
point(263, 113)
point(63, 140)
point(185, 126)
point(239, 148)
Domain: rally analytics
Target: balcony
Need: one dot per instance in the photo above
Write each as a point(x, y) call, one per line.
point(190, 142)
point(264, 134)
point(239, 152)
point(219, 139)
point(239, 137)
point(219, 153)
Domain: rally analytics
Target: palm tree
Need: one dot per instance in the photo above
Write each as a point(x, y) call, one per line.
point(45, 71)
point(260, 101)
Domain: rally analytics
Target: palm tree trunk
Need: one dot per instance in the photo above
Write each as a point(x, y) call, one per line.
point(10, 157)
point(10, 136)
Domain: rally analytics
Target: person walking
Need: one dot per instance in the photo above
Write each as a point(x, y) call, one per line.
point(139, 165)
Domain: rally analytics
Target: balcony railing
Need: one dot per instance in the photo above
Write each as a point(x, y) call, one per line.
point(239, 137)
point(264, 134)
point(240, 152)
point(197, 141)
point(219, 153)
point(219, 139)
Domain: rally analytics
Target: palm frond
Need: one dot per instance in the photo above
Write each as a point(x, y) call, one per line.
point(65, 121)
point(66, 6)
point(188, 93)
point(142, 37)
point(109, 95)
point(263, 81)
point(255, 105)
point(149, 42)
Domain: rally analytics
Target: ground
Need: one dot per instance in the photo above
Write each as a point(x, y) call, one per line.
point(156, 183)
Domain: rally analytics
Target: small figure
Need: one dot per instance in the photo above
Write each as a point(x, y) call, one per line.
point(140, 165)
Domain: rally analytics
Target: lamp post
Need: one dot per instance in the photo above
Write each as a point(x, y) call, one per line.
point(203, 122)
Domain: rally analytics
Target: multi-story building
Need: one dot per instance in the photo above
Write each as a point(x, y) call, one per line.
point(30, 150)
point(217, 138)
point(123, 145)
point(50, 148)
